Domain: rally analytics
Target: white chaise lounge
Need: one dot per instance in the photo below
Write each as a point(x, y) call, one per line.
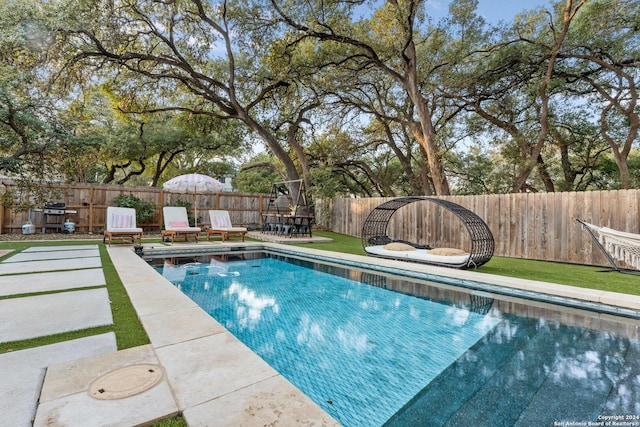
point(176, 223)
point(221, 224)
point(121, 224)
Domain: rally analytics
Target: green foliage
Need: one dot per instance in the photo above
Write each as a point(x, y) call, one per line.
point(257, 175)
point(144, 210)
point(328, 184)
point(29, 193)
point(154, 105)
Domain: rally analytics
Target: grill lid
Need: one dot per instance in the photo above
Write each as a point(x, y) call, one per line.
point(55, 205)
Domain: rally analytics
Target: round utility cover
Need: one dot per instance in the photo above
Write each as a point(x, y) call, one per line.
point(125, 382)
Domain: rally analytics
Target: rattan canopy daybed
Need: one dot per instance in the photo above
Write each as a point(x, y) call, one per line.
point(376, 242)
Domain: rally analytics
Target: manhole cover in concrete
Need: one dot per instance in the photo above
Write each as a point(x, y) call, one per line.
point(126, 382)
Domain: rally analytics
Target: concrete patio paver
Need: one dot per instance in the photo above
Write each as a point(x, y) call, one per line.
point(59, 248)
point(203, 369)
point(37, 316)
point(65, 379)
point(49, 265)
point(287, 240)
point(45, 255)
point(4, 252)
point(65, 400)
point(274, 401)
point(22, 373)
point(54, 281)
point(185, 325)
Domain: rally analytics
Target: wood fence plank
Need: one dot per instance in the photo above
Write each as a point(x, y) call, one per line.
point(535, 226)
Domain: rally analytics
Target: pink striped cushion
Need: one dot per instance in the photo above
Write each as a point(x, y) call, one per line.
point(221, 222)
point(178, 224)
point(121, 221)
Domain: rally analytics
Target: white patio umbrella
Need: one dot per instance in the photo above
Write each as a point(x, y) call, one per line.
point(194, 183)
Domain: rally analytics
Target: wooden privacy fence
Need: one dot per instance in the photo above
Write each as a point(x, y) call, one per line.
point(90, 203)
point(540, 226)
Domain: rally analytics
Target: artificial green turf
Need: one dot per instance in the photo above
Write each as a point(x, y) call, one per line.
point(170, 422)
point(340, 243)
point(552, 272)
point(128, 329)
point(126, 326)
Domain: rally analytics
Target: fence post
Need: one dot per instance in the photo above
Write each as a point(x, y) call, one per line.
point(4, 190)
point(159, 206)
point(91, 189)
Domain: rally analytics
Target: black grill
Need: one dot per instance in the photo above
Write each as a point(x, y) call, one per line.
point(54, 208)
point(53, 216)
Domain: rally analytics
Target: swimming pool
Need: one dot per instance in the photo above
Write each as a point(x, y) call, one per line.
point(442, 356)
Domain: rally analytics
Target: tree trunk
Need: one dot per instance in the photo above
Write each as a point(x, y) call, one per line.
point(427, 141)
point(544, 175)
point(274, 146)
point(569, 12)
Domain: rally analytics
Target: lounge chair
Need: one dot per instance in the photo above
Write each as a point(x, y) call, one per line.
point(121, 224)
point(176, 223)
point(221, 224)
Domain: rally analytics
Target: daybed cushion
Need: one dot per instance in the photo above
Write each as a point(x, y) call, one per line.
point(417, 255)
point(447, 251)
point(397, 246)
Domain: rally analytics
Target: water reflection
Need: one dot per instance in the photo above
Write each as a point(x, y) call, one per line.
point(458, 316)
point(352, 339)
point(249, 305)
point(533, 372)
point(309, 331)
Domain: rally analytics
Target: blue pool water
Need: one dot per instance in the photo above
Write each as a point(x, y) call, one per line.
point(369, 356)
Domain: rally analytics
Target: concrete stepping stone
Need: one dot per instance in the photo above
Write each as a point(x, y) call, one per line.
point(51, 281)
point(37, 316)
point(22, 373)
point(59, 248)
point(49, 265)
point(45, 255)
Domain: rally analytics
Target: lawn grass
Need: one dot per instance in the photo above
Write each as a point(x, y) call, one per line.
point(553, 272)
point(171, 422)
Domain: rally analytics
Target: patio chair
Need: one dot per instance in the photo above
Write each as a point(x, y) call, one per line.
point(176, 224)
point(121, 224)
point(221, 224)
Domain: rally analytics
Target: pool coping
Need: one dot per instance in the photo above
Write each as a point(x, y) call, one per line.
point(176, 324)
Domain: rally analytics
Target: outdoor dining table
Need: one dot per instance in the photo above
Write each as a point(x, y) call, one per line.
point(288, 224)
